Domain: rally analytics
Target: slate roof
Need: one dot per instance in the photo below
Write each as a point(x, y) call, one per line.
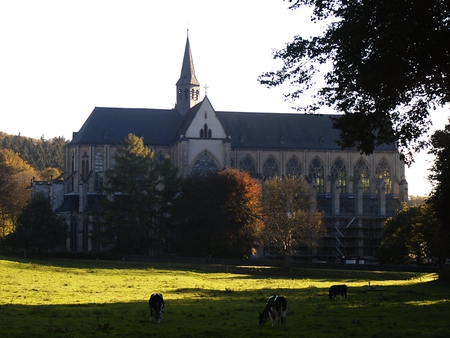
point(161, 127)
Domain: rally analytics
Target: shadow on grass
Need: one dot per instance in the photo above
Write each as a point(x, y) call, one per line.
point(417, 310)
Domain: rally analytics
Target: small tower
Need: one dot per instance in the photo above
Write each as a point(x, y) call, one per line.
point(188, 87)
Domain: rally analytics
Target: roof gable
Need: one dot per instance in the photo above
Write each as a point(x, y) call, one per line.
point(203, 118)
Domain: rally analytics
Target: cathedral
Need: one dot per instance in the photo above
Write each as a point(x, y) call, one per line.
point(356, 193)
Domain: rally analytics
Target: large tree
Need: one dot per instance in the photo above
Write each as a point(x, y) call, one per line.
point(39, 228)
point(389, 66)
point(220, 215)
point(440, 178)
point(128, 211)
point(290, 215)
point(15, 179)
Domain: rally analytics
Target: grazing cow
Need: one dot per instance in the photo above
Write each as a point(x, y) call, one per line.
point(336, 290)
point(275, 310)
point(156, 303)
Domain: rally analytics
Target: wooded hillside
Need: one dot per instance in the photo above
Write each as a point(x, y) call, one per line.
point(39, 153)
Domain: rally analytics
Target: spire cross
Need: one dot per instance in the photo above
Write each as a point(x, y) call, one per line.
point(206, 89)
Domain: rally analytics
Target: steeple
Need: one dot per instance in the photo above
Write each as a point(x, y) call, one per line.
point(188, 87)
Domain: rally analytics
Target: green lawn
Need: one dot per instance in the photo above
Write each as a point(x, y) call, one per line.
point(67, 298)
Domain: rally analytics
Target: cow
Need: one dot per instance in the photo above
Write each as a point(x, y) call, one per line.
point(156, 303)
point(275, 309)
point(336, 290)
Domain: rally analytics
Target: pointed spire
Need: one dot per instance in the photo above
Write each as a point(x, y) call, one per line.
point(187, 76)
point(188, 87)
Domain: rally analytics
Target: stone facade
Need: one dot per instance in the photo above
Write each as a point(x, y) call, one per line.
point(355, 192)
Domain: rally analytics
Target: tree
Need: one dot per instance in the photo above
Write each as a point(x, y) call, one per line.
point(38, 229)
point(389, 67)
point(220, 215)
point(289, 215)
point(15, 178)
point(128, 212)
point(413, 235)
point(440, 178)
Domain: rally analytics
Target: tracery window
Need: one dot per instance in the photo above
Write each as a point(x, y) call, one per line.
point(383, 172)
point(204, 164)
point(361, 172)
point(270, 168)
point(247, 164)
point(293, 167)
point(85, 165)
point(339, 173)
point(98, 168)
point(316, 174)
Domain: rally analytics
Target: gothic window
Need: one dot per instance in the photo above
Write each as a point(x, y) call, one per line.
point(209, 133)
point(179, 93)
point(85, 165)
point(383, 172)
point(72, 181)
point(361, 172)
point(192, 94)
point(270, 168)
point(247, 164)
point(339, 174)
point(201, 133)
point(316, 174)
point(205, 132)
point(159, 158)
point(98, 167)
point(197, 94)
point(206, 115)
point(204, 165)
point(293, 167)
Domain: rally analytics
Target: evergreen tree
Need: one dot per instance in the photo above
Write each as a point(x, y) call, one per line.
point(38, 229)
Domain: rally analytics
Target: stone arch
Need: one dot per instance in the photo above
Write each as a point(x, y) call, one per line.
point(270, 167)
point(204, 164)
point(248, 164)
point(316, 174)
point(293, 167)
point(383, 172)
point(361, 172)
point(339, 173)
point(98, 170)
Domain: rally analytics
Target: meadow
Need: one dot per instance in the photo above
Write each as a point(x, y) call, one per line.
point(68, 298)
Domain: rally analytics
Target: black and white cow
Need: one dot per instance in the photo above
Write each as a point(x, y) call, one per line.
point(336, 290)
point(275, 309)
point(156, 303)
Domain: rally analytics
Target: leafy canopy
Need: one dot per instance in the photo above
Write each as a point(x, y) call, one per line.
point(390, 64)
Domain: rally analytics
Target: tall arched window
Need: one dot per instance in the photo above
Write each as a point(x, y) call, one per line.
point(361, 172)
point(270, 168)
point(98, 167)
point(339, 174)
point(383, 172)
point(316, 174)
point(293, 167)
point(247, 164)
point(85, 165)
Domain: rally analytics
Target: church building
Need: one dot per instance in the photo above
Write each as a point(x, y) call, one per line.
point(356, 193)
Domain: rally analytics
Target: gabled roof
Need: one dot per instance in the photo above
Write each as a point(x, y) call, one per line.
point(162, 127)
point(112, 126)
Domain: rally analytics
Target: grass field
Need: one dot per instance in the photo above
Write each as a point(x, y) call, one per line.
point(66, 298)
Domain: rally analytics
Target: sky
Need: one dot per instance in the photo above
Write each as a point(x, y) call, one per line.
point(60, 59)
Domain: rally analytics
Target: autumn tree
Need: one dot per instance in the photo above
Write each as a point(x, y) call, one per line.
point(38, 228)
point(219, 215)
point(290, 215)
point(384, 65)
point(15, 179)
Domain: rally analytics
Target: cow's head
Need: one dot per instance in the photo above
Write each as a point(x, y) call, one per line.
point(262, 319)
